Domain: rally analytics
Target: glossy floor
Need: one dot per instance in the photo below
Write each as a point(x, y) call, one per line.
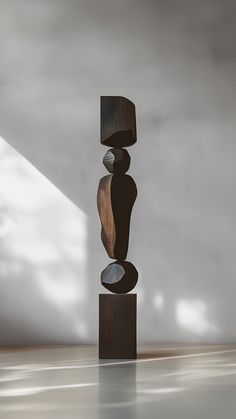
point(164, 382)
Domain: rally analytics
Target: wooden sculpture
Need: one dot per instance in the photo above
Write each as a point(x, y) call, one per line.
point(118, 122)
point(119, 277)
point(115, 199)
point(116, 196)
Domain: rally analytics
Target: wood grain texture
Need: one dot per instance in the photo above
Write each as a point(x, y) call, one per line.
point(117, 326)
point(115, 199)
point(118, 121)
point(108, 231)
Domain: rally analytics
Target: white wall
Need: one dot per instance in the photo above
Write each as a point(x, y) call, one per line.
point(177, 61)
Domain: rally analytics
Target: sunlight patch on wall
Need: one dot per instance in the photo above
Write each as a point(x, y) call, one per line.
point(43, 253)
point(158, 301)
point(192, 316)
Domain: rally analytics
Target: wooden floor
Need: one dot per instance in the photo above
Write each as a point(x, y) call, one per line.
point(165, 382)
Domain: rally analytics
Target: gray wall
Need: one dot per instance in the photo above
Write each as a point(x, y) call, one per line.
point(177, 61)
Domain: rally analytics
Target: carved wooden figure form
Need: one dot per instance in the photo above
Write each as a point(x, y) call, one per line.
point(116, 196)
point(115, 199)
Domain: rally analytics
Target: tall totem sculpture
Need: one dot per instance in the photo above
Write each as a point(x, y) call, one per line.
point(115, 199)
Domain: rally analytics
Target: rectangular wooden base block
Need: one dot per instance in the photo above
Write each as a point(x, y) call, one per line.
point(117, 326)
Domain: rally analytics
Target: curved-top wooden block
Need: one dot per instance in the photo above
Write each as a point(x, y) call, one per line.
point(118, 121)
point(115, 200)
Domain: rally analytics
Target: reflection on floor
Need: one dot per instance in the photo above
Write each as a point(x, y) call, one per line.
point(164, 382)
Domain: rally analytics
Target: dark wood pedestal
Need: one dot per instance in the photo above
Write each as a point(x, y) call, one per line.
point(117, 326)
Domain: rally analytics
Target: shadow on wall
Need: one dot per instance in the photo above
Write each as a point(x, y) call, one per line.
point(43, 258)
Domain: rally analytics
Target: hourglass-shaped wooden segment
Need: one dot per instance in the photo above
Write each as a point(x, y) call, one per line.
point(118, 121)
point(115, 200)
